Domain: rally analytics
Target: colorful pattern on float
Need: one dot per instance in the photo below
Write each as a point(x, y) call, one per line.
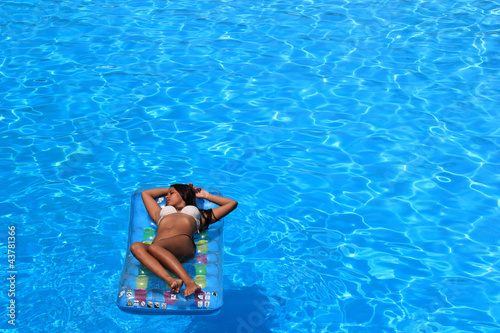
point(142, 292)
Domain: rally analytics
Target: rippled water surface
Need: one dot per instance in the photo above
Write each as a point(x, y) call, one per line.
point(361, 139)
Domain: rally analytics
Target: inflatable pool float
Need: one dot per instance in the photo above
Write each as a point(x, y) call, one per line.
point(141, 292)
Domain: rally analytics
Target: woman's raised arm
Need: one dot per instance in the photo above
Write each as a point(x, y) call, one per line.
point(226, 205)
point(149, 199)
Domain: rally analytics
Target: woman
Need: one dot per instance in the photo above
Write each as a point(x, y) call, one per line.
point(177, 223)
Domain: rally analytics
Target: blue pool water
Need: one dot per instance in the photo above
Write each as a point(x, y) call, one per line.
point(361, 139)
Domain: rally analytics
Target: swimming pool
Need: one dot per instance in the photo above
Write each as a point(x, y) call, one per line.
point(359, 137)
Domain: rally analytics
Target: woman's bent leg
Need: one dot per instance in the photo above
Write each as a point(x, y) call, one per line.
point(140, 252)
point(169, 252)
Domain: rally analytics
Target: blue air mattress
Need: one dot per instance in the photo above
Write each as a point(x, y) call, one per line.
point(142, 292)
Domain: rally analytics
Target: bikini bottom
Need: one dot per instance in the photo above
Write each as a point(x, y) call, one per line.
point(187, 235)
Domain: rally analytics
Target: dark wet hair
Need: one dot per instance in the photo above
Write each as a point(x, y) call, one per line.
point(188, 194)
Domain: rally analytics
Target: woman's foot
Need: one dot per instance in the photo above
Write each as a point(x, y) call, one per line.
point(175, 284)
point(191, 288)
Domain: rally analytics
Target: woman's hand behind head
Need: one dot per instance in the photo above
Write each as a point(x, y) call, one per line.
point(200, 193)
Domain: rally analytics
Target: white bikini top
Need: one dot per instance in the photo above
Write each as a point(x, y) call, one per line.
point(190, 210)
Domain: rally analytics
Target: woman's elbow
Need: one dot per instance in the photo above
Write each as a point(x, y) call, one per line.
point(145, 194)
